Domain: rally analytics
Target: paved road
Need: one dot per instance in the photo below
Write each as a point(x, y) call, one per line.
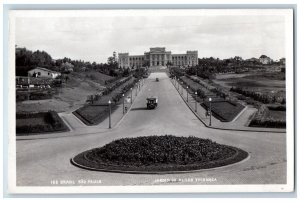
point(42, 160)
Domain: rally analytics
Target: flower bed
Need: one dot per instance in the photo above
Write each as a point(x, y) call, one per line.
point(225, 111)
point(159, 154)
point(39, 123)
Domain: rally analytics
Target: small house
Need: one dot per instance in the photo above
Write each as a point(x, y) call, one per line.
point(43, 73)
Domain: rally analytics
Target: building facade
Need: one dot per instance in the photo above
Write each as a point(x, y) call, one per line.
point(158, 57)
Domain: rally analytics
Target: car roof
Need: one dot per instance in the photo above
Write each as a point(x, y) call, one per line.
point(152, 98)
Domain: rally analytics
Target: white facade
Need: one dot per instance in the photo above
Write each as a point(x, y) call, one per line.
point(43, 72)
point(158, 56)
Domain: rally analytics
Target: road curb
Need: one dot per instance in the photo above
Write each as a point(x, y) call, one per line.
point(119, 122)
point(157, 172)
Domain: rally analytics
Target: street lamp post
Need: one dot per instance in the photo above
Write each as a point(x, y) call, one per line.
point(109, 105)
point(196, 101)
point(131, 96)
point(123, 104)
point(136, 90)
point(139, 85)
point(209, 99)
point(187, 94)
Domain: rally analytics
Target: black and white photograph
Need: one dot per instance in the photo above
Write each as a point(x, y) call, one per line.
point(151, 101)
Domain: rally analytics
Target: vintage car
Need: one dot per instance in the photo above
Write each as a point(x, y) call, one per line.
point(152, 102)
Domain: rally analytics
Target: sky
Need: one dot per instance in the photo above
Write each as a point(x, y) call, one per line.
point(95, 39)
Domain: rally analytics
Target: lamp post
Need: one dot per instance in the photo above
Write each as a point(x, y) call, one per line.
point(131, 96)
point(209, 99)
point(182, 87)
point(196, 101)
point(123, 104)
point(109, 105)
point(187, 94)
point(139, 85)
point(136, 90)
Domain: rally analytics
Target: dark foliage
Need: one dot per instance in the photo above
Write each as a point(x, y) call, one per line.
point(160, 153)
point(258, 96)
point(262, 118)
point(51, 123)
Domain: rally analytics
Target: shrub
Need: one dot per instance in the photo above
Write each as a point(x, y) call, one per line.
point(262, 118)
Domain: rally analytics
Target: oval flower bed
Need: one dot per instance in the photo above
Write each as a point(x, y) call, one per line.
point(154, 154)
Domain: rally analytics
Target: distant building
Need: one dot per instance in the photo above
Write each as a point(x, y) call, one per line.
point(157, 57)
point(282, 61)
point(43, 73)
point(265, 60)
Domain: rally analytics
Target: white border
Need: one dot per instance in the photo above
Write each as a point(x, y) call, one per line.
point(153, 188)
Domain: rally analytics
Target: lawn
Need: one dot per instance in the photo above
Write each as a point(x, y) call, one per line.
point(225, 111)
point(264, 82)
point(278, 115)
point(92, 75)
point(37, 123)
point(93, 114)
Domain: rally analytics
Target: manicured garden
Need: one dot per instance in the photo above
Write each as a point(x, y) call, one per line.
point(97, 108)
point(93, 114)
point(36, 123)
point(271, 116)
point(225, 111)
point(154, 154)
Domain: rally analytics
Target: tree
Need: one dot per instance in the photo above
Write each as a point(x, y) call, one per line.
point(112, 63)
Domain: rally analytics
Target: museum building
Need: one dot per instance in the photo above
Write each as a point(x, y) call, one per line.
point(158, 57)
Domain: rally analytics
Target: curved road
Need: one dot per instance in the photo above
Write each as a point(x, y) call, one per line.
point(42, 160)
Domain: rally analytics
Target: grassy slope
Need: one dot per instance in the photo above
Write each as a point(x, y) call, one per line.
point(72, 96)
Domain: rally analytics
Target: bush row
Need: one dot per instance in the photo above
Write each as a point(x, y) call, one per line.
point(258, 96)
point(37, 95)
point(115, 85)
point(262, 118)
point(126, 88)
